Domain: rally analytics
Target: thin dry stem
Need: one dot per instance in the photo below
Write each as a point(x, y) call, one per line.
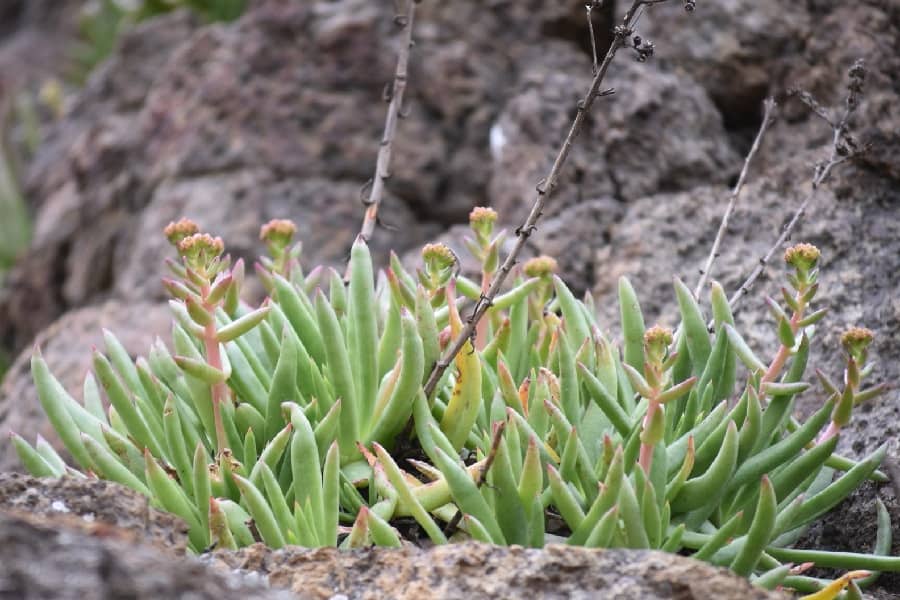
point(590, 23)
point(544, 190)
point(383, 164)
point(769, 113)
point(821, 174)
point(645, 457)
point(219, 391)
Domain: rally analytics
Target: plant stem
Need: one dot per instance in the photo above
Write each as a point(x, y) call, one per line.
point(544, 189)
point(382, 166)
point(784, 352)
point(820, 175)
point(218, 391)
point(769, 111)
point(645, 459)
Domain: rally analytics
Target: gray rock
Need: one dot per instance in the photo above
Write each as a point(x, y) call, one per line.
point(35, 37)
point(844, 33)
point(84, 185)
point(619, 152)
point(74, 538)
point(98, 504)
point(473, 570)
point(234, 120)
point(735, 49)
point(57, 557)
point(851, 527)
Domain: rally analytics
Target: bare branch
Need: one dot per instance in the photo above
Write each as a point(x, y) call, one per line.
point(769, 109)
point(590, 23)
point(621, 36)
point(843, 148)
point(383, 164)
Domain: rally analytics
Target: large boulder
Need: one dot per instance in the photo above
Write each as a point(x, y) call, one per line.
point(619, 152)
point(92, 505)
point(59, 557)
point(36, 36)
point(474, 570)
point(278, 114)
point(735, 49)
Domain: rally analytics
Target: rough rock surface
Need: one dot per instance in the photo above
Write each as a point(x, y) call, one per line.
point(278, 114)
point(125, 547)
point(160, 134)
point(732, 48)
point(51, 558)
point(66, 346)
point(94, 506)
point(471, 570)
point(82, 189)
point(619, 153)
point(35, 36)
point(868, 30)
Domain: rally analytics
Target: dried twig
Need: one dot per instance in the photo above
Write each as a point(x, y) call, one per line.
point(843, 148)
point(768, 114)
point(545, 187)
point(479, 481)
point(382, 166)
point(590, 23)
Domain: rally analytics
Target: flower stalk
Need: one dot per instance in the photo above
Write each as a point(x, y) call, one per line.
point(804, 258)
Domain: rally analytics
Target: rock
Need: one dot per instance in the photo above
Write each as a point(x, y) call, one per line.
point(474, 570)
point(50, 557)
point(735, 49)
point(94, 505)
point(833, 45)
point(232, 120)
point(236, 205)
point(84, 187)
point(35, 37)
point(851, 527)
point(66, 346)
point(619, 152)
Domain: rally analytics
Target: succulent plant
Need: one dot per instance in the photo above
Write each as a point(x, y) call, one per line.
point(305, 421)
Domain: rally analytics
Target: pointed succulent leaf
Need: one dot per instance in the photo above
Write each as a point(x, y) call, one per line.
point(632, 324)
point(242, 325)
